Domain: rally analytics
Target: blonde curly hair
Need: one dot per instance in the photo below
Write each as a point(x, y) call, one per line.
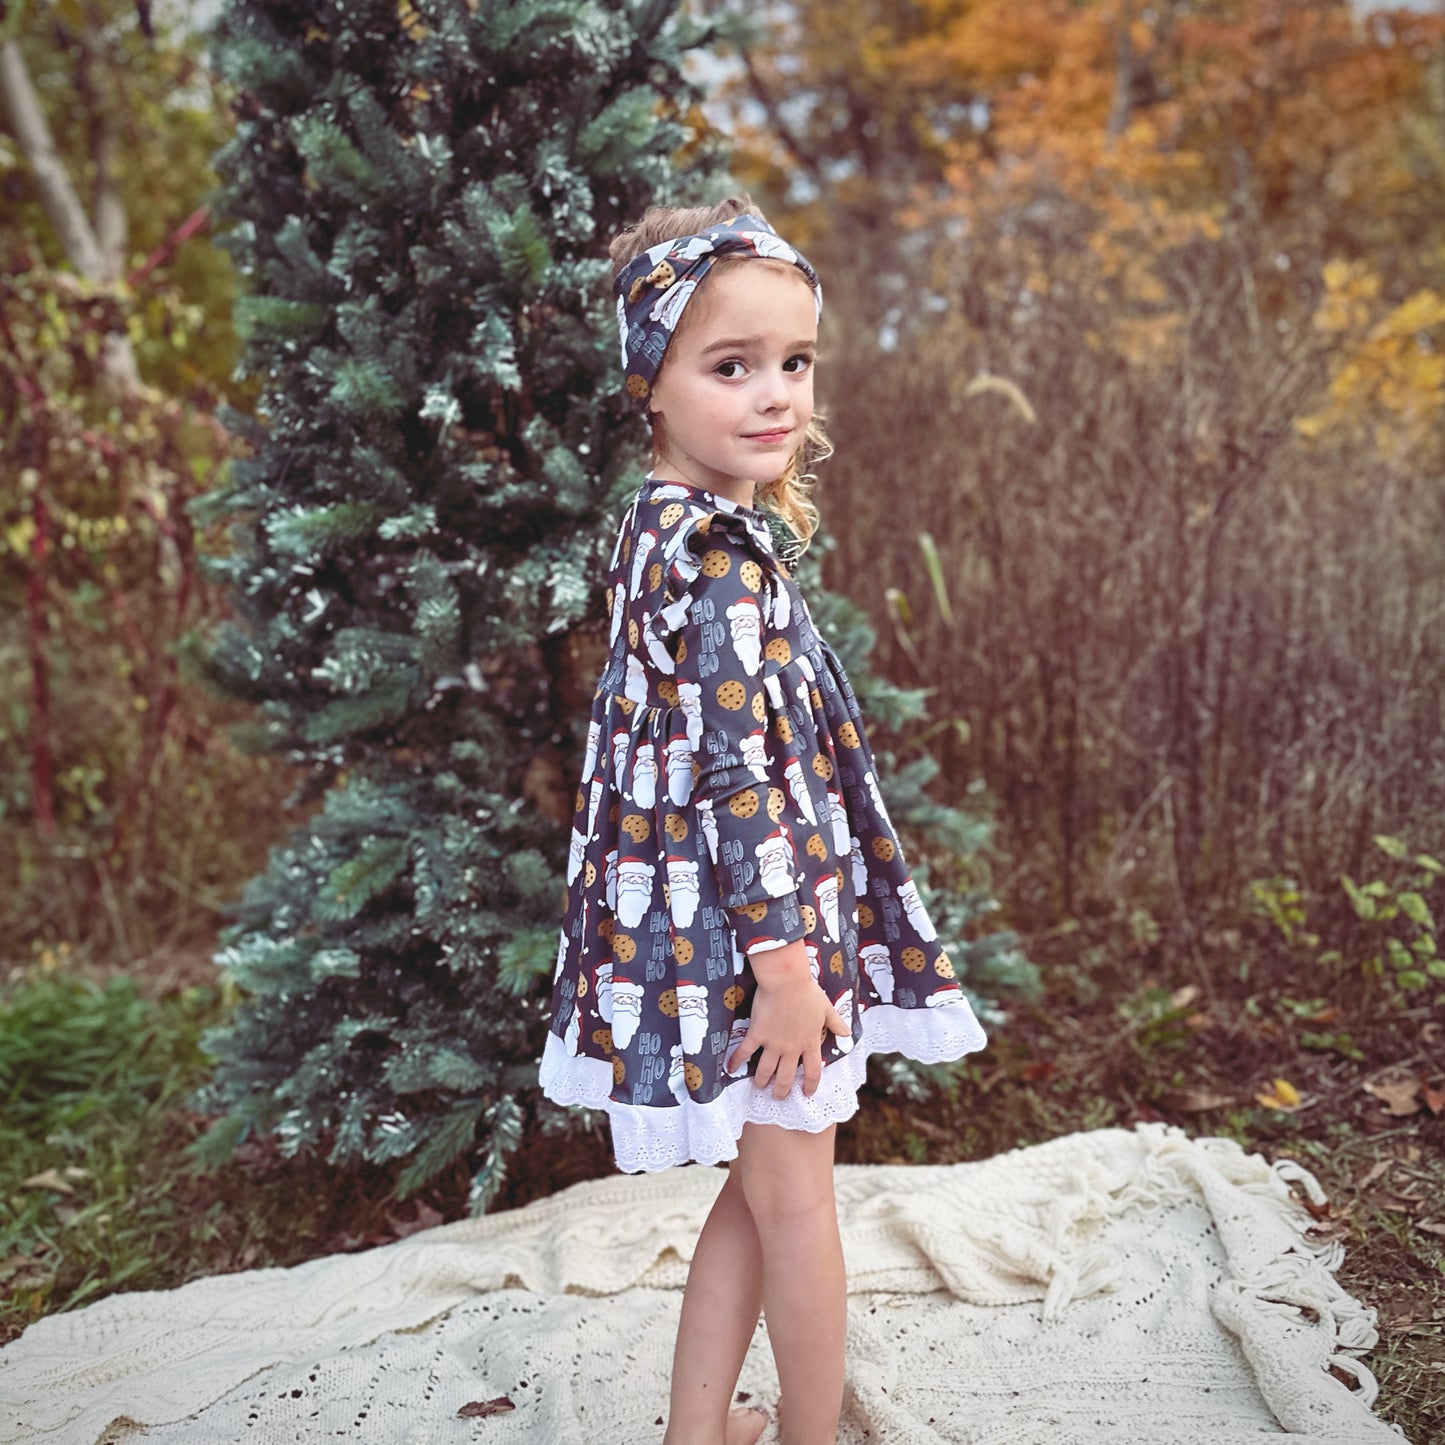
point(788, 495)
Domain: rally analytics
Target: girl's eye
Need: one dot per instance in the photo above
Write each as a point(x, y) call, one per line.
point(805, 359)
point(730, 375)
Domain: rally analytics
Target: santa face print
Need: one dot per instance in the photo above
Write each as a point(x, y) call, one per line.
point(827, 896)
point(775, 865)
point(708, 823)
point(754, 748)
point(682, 889)
point(602, 982)
point(799, 792)
point(692, 1016)
point(689, 697)
point(917, 914)
point(611, 879)
point(745, 622)
point(634, 890)
point(644, 775)
point(679, 771)
point(646, 544)
point(626, 1011)
point(879, 968)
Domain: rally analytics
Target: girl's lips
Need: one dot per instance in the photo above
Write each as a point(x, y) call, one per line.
point(780, 434)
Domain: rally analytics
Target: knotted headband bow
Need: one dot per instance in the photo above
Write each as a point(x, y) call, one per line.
point(653, 288)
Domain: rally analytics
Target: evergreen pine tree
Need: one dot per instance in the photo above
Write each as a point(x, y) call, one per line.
point(421, 195)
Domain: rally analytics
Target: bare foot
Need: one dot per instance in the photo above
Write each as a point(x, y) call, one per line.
point(745, 1424)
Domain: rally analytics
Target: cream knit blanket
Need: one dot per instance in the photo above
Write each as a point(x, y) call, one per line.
point(1120, 1285)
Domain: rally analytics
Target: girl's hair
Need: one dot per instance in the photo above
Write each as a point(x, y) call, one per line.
point(789, 494)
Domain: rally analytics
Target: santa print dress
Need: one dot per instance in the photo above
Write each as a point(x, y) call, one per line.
point(729, 803)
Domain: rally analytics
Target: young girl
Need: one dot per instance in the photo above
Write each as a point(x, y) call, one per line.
point(741, 929)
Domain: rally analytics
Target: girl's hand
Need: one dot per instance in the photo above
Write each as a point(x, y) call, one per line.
point(790, 1015)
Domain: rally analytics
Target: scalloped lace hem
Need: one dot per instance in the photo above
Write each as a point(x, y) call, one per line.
point(648, 1137)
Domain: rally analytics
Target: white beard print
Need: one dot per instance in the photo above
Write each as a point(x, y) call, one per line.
point(783, 611)
point(676, 1078)
point(827, 895)
point(594, 736)
point(634, 689)
point(612, 879)
point(695, 247)
point(646, 542)
point(746, 623)
point(574, 855)
point(815, 960)
point(626, 1012)
point(574, 1030)
point(622, 328)
point(689, 699)
point(593, 805)
point(798, 791)
point(644, 774)
point(708, 823)
point(775, 866)
point(670, 304)
point(877, 797)
point(634, 890)
point(838, 811)
point(860, 869)
point(682, 889)
point(692, 1016)
point(917, 914)
point(657, 653)
point(561, 958)
point(754, 748)
point(679, 771)
point(602, 982)
point(767, 244)
point(619, 611)
point(879, 967)
point(844, 1004)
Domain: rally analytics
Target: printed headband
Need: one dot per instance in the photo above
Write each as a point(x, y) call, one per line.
point(653, 288)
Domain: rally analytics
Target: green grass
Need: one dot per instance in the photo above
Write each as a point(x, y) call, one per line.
point(92, 1138)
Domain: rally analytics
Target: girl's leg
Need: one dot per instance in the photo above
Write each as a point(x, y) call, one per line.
point(787, 1180)
point(719, 1314)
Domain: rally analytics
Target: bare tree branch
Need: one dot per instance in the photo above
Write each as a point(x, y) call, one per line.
point(27, 122)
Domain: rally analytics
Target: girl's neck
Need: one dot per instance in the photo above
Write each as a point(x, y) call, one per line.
point(734, 489)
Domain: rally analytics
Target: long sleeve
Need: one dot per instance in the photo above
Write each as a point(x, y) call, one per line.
point(725, 674)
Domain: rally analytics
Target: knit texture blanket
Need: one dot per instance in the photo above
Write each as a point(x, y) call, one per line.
point(1135, 1285)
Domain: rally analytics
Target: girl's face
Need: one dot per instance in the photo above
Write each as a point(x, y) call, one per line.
point(735, 392)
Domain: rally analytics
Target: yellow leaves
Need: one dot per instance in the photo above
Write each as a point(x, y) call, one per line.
point(1389, 376)
point(1280, 1095)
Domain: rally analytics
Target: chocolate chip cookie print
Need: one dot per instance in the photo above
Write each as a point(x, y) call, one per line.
point(728, 802)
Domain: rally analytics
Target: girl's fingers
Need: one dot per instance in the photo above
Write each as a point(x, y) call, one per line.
point(787, 1072)
point(812, 1071)
point(836, 1023)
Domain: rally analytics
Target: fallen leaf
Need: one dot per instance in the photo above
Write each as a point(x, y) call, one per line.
point(1399, 1203)
point(1194, 1101)
point(1373, 1173)
point(1398, 1097)
point(1431, 1226)
point(1434, 1099)
point(48, 1179)
point(1183, 997)
point(1037, 1069)
point(1281, 1095)
point(477, 1409)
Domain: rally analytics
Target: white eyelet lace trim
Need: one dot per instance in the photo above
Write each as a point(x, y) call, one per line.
point(649, 1137)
